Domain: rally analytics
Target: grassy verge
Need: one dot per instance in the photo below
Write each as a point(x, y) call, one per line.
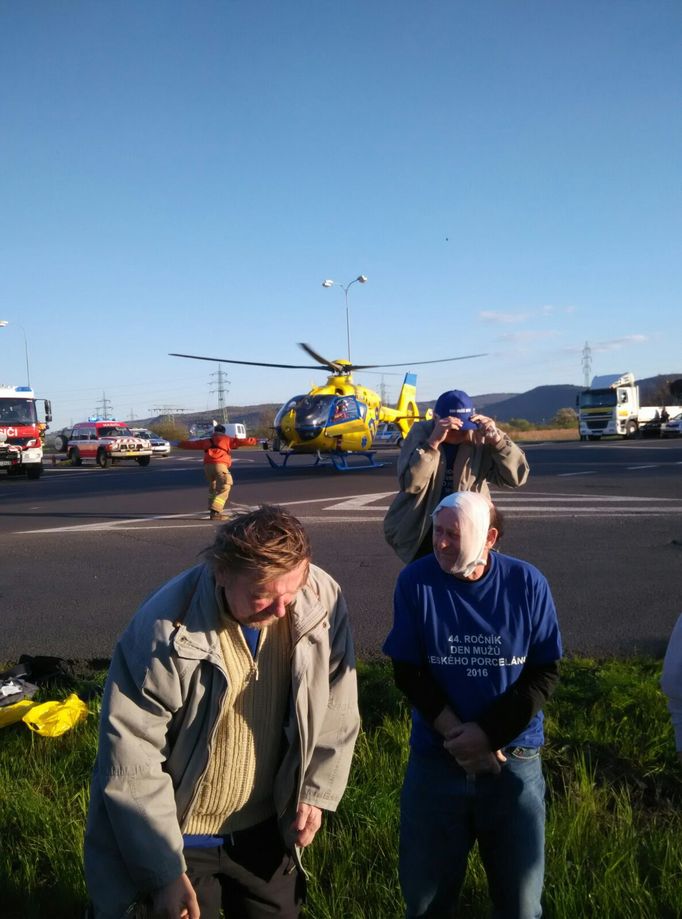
point(541, 435)
point(614, 834)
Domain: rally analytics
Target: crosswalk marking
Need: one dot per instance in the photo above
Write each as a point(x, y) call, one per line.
point(516, 504)
point(357, 502)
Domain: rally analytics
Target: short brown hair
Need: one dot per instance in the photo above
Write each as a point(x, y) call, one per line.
point(497, 520)
point(268, 541)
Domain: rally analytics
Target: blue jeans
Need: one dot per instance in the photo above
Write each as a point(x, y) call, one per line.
point(444, 811)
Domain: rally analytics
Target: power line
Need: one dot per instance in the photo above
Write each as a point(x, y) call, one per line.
point(221, 390)
point(587, 364)
point(104, 408)
point(168, 411)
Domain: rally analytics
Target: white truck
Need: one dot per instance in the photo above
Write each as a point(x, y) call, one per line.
point(611, 407)
point(202, 429)
point(21, 431)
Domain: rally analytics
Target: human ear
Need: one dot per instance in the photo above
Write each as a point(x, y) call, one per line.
point(491, 538)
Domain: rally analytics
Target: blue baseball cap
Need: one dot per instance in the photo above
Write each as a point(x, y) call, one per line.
point(458, 404)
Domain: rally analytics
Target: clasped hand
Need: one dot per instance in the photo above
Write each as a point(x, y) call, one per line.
point(469, 745)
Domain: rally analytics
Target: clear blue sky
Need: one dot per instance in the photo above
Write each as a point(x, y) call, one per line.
point(182, 176)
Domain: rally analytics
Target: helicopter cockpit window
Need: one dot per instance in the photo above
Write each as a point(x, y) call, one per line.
point(314, 410)
point(345, 409)
point(287, 407)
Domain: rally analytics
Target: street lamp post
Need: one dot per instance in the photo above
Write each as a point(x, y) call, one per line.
point(362, 279)
point(3, 323)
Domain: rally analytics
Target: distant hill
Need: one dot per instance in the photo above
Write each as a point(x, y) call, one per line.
point(251, 416)
point(537, 405)
point(493, 398)
point(542, 403)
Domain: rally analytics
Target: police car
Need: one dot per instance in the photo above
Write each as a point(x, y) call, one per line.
point(160, 446)
point(389, 434)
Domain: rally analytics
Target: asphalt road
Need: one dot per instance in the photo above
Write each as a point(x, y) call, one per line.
point(83, 546)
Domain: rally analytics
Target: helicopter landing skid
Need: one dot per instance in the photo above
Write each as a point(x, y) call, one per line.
point(340, 460)
point(337, 458)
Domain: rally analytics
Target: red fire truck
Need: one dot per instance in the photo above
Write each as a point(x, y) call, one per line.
point(21, 433)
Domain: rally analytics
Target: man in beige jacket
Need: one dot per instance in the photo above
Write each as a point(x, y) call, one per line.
point(228, 725)
point(458, 450)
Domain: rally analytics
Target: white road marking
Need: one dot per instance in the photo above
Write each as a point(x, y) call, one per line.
point(565, 475)
point(357, 502)
point(500, 498)
point(371, 508)
point(112, 524)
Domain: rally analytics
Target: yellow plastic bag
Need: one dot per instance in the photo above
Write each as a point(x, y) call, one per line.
point(10, 714)
point(52, 719)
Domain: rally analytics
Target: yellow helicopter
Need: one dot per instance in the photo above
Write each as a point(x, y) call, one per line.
point(339, 419)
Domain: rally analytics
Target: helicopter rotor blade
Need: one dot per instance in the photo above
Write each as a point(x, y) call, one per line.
point(333, 366)
point(227, 360)
point(336, 367)
point(330, 365)
point(440, 360)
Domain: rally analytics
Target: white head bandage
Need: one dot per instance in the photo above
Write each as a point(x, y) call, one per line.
point(473, 520)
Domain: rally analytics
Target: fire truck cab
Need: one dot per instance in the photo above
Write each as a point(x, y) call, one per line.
point(21, 433)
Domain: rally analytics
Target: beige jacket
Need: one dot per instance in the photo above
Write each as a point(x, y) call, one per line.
point(421, 471)
point(161, 704)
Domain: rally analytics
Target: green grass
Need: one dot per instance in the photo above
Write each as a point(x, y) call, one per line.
point(614, 832)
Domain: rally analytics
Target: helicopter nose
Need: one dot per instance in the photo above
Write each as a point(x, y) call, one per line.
point(308, 431)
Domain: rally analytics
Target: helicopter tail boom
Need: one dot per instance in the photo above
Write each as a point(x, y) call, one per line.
point(406, 411)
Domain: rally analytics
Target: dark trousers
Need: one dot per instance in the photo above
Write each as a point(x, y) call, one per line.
point(251, 876)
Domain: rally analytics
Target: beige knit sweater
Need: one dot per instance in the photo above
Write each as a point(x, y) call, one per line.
point(236, 791)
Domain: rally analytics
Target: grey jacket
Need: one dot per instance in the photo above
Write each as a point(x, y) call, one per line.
point(161, 704)
point(421, 471)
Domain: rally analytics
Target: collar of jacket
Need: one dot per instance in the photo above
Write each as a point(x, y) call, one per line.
point(196, 632)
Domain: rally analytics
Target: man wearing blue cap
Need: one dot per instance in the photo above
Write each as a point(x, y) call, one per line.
point(458, 450)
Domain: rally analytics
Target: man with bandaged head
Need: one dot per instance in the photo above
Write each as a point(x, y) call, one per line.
point(475, 646)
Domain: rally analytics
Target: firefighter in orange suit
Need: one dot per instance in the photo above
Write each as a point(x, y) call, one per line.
point(217, 461)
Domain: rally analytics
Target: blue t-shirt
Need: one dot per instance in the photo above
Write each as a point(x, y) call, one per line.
point(475, 636)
